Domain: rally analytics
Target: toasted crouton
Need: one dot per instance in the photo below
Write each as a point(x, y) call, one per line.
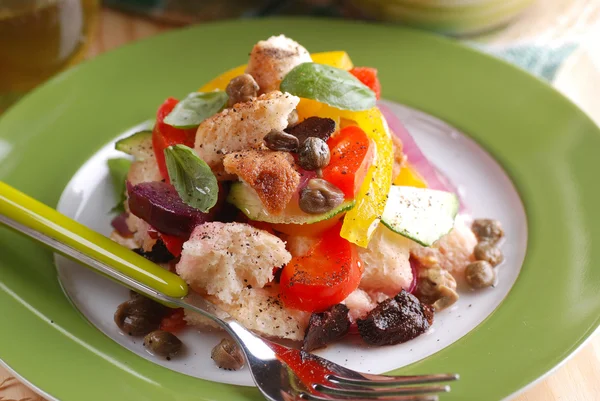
point(299, 245)
point(144, 171)
point(452, 252)
point(242, 127)
point(360, 303)
point(260, 310)
point(221, 259)
point(386, 262)
point(140, 230)
point(127, 242)
point(271, 174)
point(271, 59)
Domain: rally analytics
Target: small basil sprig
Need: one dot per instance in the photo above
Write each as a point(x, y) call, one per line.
point(329, 85)
point(192, 177)
point(195, 108)
point(118, 169)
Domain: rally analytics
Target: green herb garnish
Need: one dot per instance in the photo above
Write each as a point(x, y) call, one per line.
point(192, 178)
point(195, 108)
point(118, 169)
point(329, 85)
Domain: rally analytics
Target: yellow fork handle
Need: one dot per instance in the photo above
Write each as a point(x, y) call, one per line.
point(37, 217)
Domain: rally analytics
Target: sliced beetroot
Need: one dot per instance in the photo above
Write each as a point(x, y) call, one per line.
point(317, 127)
point(119, 223)
point(158, 204)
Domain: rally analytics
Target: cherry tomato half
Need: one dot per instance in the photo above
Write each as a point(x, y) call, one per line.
point(324, 277)
point(351, 156)
point(164, 135)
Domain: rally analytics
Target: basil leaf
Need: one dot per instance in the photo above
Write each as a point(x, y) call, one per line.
point(195, 108)
point(118, 169)
point(329, 85)
point(192, 178)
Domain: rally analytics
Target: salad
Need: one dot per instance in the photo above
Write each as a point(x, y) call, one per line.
point(282, 193)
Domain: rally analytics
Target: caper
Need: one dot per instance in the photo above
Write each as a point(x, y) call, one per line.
point(139, 316)
point(313, 154)
point(487, 230)
point(281, 141)
point(163, 343)
point(141, 305)
point(241, 89)
point(293, 118)
point(227, 355)
point(447, 297)
point(431, 280)
point(489, 252)
point(320, 196)
point(480, 274)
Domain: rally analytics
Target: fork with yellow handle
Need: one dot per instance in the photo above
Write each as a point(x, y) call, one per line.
point(76, 241)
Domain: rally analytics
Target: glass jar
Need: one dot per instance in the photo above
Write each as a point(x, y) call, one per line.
point(39, 38)
point(452, 17)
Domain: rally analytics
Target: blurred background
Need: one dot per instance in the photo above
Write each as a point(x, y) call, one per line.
point(39, 38)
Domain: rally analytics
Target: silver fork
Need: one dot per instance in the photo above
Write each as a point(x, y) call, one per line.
point(276, 369)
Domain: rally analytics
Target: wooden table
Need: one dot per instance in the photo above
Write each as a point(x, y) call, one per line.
point(579, 378)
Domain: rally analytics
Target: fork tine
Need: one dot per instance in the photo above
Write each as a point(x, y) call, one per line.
point(376, 394)
point(312, 397)
point(390, 381)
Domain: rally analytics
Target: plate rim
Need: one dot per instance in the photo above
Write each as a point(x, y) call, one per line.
point(402, 31)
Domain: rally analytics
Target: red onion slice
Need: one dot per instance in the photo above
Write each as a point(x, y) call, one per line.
point(119, 223)
point(414, 267)
point(435, 179)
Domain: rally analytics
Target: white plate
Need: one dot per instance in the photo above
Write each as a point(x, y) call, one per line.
point(485, 187)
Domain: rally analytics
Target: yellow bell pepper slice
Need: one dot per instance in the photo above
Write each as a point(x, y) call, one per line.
point(409, 177)
point(339, 59)
point(362, 220)
point(220, 82)
point(311, 108)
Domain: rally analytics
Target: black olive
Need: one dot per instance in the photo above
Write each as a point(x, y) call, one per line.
point(317, 127)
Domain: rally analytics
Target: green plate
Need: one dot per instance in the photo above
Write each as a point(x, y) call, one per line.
point(547, 146)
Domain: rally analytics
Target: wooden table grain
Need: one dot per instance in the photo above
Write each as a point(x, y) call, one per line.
point(579, 378)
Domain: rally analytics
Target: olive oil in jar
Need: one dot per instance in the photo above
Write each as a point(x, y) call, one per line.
point(39, 38)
